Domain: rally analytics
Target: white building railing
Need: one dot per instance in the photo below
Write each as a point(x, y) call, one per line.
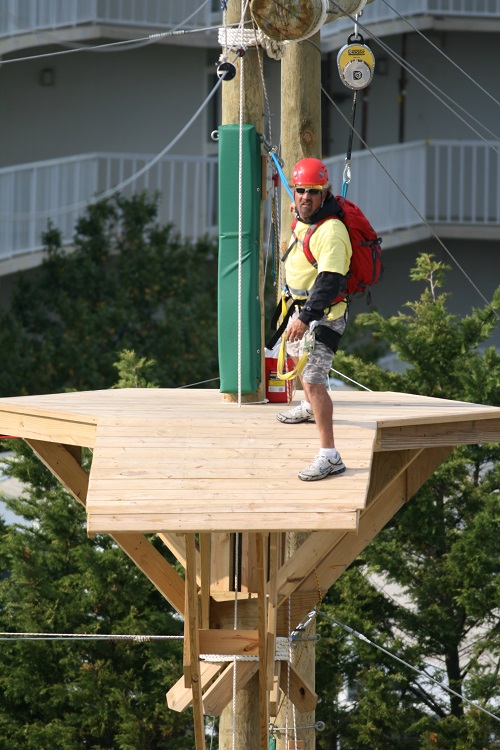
point(455, 183)
point(59, 190)
point(25, 16)
point(376, 12)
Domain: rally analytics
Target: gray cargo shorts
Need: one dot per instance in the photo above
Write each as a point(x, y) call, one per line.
point(320, 360)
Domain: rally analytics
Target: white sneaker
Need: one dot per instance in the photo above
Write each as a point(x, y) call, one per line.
point(297, 414)
point(322, 467)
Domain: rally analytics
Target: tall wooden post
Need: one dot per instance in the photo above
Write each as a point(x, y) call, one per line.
point(300, 137)
point(252, 114)
point(247, 699)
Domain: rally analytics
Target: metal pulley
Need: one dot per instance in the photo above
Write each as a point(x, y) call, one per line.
point(226, 70)
point(356, 63)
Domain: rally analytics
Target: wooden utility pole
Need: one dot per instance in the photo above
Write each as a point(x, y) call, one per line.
point(300, 137)
point(247, 69)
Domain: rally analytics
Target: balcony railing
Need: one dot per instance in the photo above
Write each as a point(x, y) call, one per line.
point(60, 189)
point(24, 16)
point(448, 183)
point(378, 12)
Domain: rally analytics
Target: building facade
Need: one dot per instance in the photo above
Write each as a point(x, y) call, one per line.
point(77, 123)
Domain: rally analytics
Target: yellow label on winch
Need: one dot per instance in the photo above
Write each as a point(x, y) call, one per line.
point(355, 52)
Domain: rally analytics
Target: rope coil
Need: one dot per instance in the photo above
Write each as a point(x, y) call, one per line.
point(234, 39)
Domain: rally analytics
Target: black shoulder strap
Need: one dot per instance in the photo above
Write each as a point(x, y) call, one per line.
point(274, 321)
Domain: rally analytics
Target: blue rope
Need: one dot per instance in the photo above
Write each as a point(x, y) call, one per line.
point(281, 174)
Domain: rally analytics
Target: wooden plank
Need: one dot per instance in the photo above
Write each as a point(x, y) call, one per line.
point(54, 430)
point(154, 523)
point(221, 571)
point(222, 613)
point(191, 625)
point(218, 498)
point(179, 697)
point(218, 695)
point(449, 433)
point(229, 642)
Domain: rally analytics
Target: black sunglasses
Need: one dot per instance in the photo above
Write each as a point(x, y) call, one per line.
point(311, 191)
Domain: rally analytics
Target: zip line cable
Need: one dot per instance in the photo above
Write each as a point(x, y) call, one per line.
point(424, 221)
point(362, 637)
point(438, 93)
point(7, 636)
point(443, 54)
point(150, 38)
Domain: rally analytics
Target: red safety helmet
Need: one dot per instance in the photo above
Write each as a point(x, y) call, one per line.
point(311, 173)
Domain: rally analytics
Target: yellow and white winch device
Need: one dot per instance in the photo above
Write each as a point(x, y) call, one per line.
point(356, 63)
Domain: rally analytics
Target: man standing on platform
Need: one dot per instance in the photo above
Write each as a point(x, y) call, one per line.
point(314, 287)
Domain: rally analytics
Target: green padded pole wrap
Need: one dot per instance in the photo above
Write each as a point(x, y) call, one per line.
point(229, 237)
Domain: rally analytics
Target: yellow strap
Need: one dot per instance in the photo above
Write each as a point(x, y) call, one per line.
point(281, 361)
point(282, 353)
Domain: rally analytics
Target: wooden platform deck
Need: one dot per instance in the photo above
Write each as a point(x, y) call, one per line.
point(185, 461)
point(182, 462)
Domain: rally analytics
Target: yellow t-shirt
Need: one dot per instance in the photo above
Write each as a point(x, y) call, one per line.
point(331, 247)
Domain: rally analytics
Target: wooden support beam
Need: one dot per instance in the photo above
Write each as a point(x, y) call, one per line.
point(218, 695)
point(147, 558)
point(191, 630)
point(176, 543)
point(63, 464)
point(274, 694)
point(179, 697)
point(386, 469)
point(347, 547)
point(204, 556)
point(272, 607)
point(261, 541)
point(298, 690)
point(229, 642)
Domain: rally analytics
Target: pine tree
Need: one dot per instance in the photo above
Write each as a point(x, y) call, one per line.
point(441, 552)
point(129, 283)
point(64, 694)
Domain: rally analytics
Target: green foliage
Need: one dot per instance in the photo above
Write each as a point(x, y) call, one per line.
point(53, 579)
point(129, 284)
point(441, 553)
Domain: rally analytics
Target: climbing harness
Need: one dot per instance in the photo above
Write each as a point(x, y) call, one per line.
point(309, 342)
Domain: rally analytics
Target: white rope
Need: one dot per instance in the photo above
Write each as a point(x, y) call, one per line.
point(117, 188)
point(235, 39)
point(6, 636)
point(240, 223)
